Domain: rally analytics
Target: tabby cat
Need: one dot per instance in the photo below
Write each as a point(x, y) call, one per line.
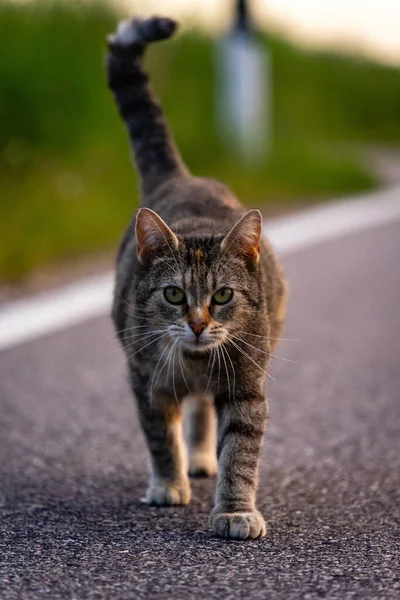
point(199, 301)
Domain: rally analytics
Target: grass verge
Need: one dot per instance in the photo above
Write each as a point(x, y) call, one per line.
point(67, 185)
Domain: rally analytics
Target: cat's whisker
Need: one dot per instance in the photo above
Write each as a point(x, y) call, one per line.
point(264, 351)
point(233, 370)
point(270, 338)
point(129, 357)
point(143, 329)
point(136, 316)
point(176, 330)
point(182, 365)
point(234, 375)
point(111, 350)
point(127, 344)
point(212, 368)
point(290, 360)
point(210, 351)
point(115, 333)
point(209, 364)
point(219, 365)
point(130, 344)
point(135, 336)
point(173, 372)
point(250, 358)
point(155, 381)
point(149, 344)
point(226, 370)
point(169, 359)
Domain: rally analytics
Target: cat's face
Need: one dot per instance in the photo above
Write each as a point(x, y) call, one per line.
point(198, 292)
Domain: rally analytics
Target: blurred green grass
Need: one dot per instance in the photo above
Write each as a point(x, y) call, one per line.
point(67, 184)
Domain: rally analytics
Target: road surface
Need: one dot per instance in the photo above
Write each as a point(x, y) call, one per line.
point(73, 464)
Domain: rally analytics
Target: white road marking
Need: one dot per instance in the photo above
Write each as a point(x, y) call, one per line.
point(26, 320)
point(334, 220)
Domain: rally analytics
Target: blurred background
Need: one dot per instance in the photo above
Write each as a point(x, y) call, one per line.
point(67, 187)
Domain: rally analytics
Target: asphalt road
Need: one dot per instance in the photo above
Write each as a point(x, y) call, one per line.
point(73, 462)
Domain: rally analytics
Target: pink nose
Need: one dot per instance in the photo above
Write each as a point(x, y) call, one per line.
point(197, 326)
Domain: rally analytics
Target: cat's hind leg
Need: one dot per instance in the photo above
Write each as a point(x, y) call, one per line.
point(201, 436)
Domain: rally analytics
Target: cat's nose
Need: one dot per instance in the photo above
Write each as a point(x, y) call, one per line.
point(197, 326)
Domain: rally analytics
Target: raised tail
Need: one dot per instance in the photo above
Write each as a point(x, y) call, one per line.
point(155, 152)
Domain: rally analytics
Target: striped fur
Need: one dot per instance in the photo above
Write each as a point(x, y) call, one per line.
point(155, 154)
point(193, 234)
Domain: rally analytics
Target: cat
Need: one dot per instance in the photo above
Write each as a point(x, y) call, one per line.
point(199, 302)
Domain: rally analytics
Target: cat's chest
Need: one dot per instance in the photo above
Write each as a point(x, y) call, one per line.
point(183, 376)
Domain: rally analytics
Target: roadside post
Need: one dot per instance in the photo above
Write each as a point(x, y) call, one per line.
point(243, 106)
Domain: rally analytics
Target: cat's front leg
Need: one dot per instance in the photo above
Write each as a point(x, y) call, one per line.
point(161, 421)
point(241, 426)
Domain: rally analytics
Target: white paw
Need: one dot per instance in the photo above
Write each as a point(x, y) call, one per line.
point(169, 494)
point(203, 464)
point(238, 526)
point(126, 33)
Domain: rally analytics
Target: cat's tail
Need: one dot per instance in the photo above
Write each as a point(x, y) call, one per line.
point(156, 155)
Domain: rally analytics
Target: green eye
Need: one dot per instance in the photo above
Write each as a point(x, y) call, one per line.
point(174, 295)
point(223, 296)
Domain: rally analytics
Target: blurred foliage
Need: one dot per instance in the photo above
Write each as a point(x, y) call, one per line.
point(67, 185)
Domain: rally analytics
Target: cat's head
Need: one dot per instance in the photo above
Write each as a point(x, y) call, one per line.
point(198, 291)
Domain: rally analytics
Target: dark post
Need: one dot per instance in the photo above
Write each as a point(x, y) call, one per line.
point(242, 16)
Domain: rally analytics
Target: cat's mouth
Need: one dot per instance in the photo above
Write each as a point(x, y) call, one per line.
point(197, 345)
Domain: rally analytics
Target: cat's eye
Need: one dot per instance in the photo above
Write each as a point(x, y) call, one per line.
point(223, 296)
point(174, 295)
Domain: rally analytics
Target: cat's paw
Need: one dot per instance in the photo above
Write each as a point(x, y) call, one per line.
point(203, 464)
point(238, 525)
point(169, 494)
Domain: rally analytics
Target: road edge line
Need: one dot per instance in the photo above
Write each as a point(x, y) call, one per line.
point(28, 319)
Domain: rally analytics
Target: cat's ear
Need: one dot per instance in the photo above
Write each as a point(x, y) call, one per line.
point(152, 235)
point(244, 237)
